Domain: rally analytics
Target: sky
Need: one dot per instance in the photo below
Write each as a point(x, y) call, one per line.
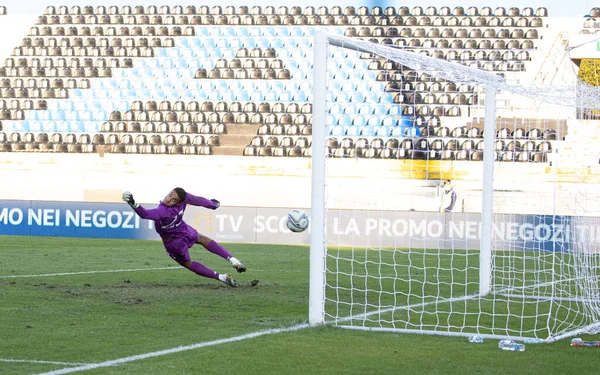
point(556, 8)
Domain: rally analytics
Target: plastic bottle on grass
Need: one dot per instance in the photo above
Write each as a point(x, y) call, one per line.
point(477, 339)
point(510, 345)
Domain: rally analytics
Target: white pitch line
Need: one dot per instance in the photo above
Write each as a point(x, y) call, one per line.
point(91, 272)
point(42, 362)
point(173, 350)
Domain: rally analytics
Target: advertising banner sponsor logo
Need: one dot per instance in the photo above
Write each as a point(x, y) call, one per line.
point(344, 227)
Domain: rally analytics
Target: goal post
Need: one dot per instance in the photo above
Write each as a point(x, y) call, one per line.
point(518, 254)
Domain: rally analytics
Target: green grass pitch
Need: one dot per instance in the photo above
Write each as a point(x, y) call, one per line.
point(66, 303)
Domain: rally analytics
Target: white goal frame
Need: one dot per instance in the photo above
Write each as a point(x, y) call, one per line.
point(491, 83)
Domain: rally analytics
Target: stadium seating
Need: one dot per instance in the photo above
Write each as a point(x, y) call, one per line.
point(154, 79)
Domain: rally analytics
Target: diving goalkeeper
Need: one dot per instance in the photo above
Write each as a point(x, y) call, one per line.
point(178, 237)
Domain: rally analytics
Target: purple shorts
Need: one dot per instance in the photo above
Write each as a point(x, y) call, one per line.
point(178, 247)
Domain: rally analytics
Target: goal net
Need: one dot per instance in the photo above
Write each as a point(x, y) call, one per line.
point(450, 196)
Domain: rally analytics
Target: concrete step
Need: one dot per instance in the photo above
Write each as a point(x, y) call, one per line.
point(228, 150)
point(242, 128)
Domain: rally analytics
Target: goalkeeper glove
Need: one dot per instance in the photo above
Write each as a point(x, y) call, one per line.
point(128, 198)
point(216, 202)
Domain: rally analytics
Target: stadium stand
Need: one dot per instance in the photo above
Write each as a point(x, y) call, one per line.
point(225, 80)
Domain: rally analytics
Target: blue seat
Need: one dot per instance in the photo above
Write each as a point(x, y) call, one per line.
point(91, 126)
point(77, 127)
point(341, 74)
point(306, 86)
point(85, 115)
point(125, 84)
point(369, 75)
point(305, 43)
point(405, 121)
point(342, 97)
point(75, 93)
point(194, 64)
point(292, 64)
point(336, 108)
point(221, 85)
point(383, 131)
point(276, 43)
point(292, 85)
point(200, 95)
point(101, 115)
point(256, 95)
point(215, 31)
point(255, 31)
point(309, 31)
point(352, 130)
point(300, 96)
point(374, 121)
point(348, 86)
point(282, 31)
point(209, 43)
point(44, 115)
point(49, 127)
point(276, 85)
point(356, 75)
point(269, 31)
point(63, 127)
point(344, 120)
point(371, 97)
point(161, 52)
point(270, 96)
point(249, 42)
point(241, 31)
point(228, 53)
point(235, 43)
point(359, 120)
point(340, 53)
point(228, 95)
point(262, 43)
point(296, 31)
point(388, 120)
point(398, 131)
point(336, 130)
point(242, 96)
point(351, 109)
point(296, 53)
point(394, 110)
point(357, 97)
point(229, 31)
point(222, 43)
point(57, 115)
point(71, 115)
point(367, 131)
point(330, 120)
point(34, 126)
point(235, 85)
point(201, 54)
point(361, 65)
point(201, 31)
point(380, 109)
point(365, 109)
point(386, 97)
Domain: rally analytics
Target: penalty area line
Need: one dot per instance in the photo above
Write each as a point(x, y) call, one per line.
point(91, 272)
point(11, 360)
point(178, 349)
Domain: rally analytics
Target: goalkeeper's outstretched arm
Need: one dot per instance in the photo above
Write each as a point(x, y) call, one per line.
point(153, 214)
point(194, 200)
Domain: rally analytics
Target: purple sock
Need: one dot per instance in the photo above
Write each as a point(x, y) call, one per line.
point(202, 270)
point(215, 248)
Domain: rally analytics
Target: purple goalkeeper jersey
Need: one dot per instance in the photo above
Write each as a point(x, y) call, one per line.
point(168, 221)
